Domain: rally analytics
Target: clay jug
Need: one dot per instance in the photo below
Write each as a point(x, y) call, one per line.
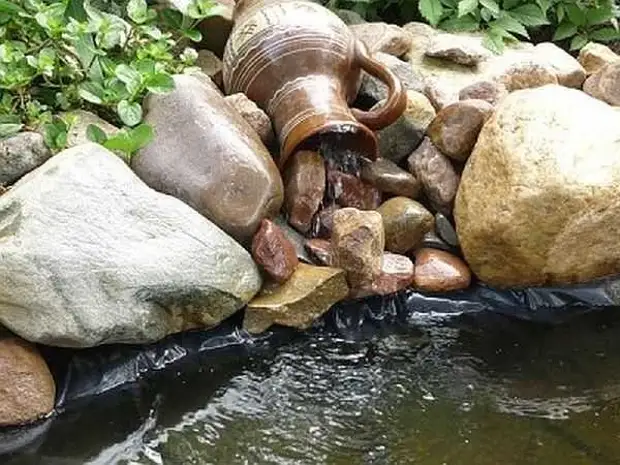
point(300, 63)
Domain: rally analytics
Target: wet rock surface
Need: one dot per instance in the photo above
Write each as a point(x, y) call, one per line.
point(320, 250)
point(308, 294)
point(388, 177)
point(604, 84)
point(304, 183)
point(397, 272)
point(324, 221)
point(350, 191)
point(272, 250)
point(91, 255)
point(254, 116)
point(537, 201)
point(446, 230)
point(455, 129)
point(382, 37)
point(20, 154)
point(439, 271)
point(358, 240)
point(27, 387)
point(437, 175)
point(405, 222)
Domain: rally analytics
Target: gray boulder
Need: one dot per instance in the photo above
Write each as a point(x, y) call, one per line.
point(91, 255)
point(20, 154)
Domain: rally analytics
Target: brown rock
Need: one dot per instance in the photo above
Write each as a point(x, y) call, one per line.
point(350, 191)
point(357, 242)
point(439, 271)
point(405, 222)
point(397, 272)
point(605, 84)
point(489, 91)
point(321, 250)
point(386, 176)
point(527, 75)
point(298, 241)
point(274, 252)
point(438, 96)
point(307, 295)
point(434, 170)
point(455, 129)
point(211, 65)
point(254, 116)
point(382, 37)
point(567, 69)
point(304, 183)
point(26, 385)
point(399, 139)
point(595, 56)
point(324, 221)
point(462, 50)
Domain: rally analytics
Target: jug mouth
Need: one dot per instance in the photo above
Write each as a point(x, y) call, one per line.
point(346, 136)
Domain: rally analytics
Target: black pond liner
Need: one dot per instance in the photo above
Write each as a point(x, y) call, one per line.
point(88, 374)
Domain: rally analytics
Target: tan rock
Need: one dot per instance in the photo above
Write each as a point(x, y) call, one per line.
point(595, 56)
point(568, 70)
point(405, 222)
point(304, 183)
point(399, 139)
point(27, 387)
point(305, 297)
point(211, 66)
point(350, 191)
point(397, 272)
point(538, 202)
point(463, 50)
point(382, 37)
point(455, 129)
point(320, 250)
point(273, 251)
point(489, 91)
point(254, 116)
point(357, 242)
point(527, 75)
point(439, 271)
point(437, 175)
point(605, 84)
point(388, 177)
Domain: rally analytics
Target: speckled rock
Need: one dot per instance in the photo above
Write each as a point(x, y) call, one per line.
point(399, 139)
point(297, 303)
point(527, 75)
point(538, 203)
point(382, 37)
point(304, 184)
point(20, 154)
point(439, 271)
point(350, 191)
point(358, 240)
point(462, 50)
point(27, 387)
point(272, 250)
point(405, 222)
point(388, 177)
point(455, 129)
point(437, 175)
point(320, 250)
point(254, 116)
point(489, 91)
point(605, 84)
point(595, 56)
point(568, 70)
point(324, 221)
point(397, 272)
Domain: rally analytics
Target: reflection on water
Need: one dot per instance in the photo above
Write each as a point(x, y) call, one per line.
point(460, 393)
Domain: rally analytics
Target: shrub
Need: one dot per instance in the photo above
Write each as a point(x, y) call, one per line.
point(58, 55)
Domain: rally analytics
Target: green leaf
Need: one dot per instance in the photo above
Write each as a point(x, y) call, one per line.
point(7, 6)
point(91, 92)
point(130, 113)
point(491, 5)
point(431, 10)
point(578, 42)
point(9, 129)
point(576, 15)
point(119, 142)
point(467, 6)
point(160, 83)
point(599, 15)
point(564, 31)
point(130, 77)
point(605, 34)
point(529, 15)
point(141, 136)
point(193, 34)
point(466, 23)
point(560, 12)
point(494, 40)
point(137, 11)
point(95, 134)
point(508, 4)
point(544, 5)
point(510, 24)
point(75, 9)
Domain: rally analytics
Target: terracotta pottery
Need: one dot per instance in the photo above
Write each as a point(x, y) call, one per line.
point(301, 64)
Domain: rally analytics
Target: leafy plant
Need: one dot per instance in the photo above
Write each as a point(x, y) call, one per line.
point(58, 55)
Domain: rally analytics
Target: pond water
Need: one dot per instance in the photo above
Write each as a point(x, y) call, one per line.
point(431, 393)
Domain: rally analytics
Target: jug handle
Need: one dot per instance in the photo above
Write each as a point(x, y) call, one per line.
point(396, 102)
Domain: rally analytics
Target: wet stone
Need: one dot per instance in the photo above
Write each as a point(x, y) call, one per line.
point(320, 250)
point(358, 241)
point(324, 221)
point(254, 116)
point(296, 239)
point(397, 273)
point(446, 230)
point(489, 91)
point(439, 271)
point(272, 250)
point(388, 177)
point(456, 128)
point(304, 184)
point(437, 175)
point(405, 222)
point(433, 241)
point(605, 84)
point(350, 191)
point(307, 295)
